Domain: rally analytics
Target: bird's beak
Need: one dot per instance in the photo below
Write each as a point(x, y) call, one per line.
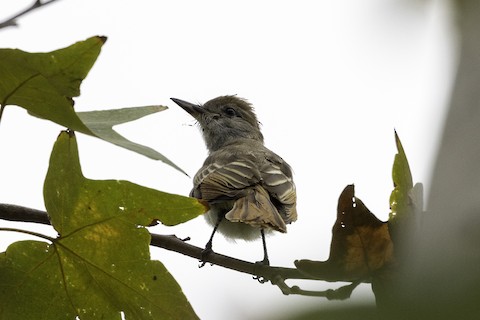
point(193, 109)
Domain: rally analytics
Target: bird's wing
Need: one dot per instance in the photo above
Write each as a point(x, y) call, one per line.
point(277, 180)
point(236, 176)
point(225, 180)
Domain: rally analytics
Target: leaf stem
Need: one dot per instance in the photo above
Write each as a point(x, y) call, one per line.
point(28, 232)
point(2, 107)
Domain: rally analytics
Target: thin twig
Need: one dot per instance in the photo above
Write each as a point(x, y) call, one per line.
point(341, 293)
point(12, 21)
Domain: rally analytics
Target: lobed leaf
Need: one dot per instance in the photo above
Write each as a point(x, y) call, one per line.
point(45, 83)
point(100, 264)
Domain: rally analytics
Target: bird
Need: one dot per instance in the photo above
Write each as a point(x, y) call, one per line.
point(249, 188)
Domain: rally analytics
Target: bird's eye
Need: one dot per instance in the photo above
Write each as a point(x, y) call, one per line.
point(230, 112)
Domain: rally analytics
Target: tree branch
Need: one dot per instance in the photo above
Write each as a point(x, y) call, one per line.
point(12, 212)
point(12, 21)
point(169, 242)
point(267, 273)
point(276, 275)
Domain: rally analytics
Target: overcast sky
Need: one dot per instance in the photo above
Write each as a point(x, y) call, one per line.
point(330, 81)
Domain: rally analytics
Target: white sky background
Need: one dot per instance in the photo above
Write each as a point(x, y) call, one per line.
point(330, 81)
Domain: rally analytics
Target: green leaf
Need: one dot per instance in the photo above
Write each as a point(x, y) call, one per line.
point(100, 264)
point(400, 202)
point(101, 125)
point(45, 83)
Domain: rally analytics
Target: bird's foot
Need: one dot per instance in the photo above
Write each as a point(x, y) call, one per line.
point(204, 255)
point(263, 263)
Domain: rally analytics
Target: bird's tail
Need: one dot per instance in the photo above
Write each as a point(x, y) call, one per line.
point(257, 210)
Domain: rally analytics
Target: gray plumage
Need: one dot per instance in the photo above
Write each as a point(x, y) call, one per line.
point(242, 180)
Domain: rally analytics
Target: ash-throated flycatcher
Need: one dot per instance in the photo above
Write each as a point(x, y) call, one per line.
point(248, 187)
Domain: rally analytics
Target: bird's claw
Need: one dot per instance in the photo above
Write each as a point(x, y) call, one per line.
point(265, 262)
point(260, 279)
point(205, 253)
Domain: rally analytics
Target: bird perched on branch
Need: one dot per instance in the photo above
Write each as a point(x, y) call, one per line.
point(249, 188)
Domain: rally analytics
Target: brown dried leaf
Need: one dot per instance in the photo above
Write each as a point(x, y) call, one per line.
point(361, 244)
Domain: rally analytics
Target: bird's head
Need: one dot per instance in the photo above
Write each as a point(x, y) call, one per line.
point(224, 120)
